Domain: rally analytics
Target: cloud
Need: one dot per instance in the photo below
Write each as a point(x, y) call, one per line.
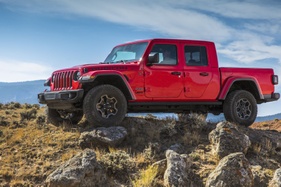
point(15, 71)
point(246, 31)
point(251, 50)
point(195, 19)
point(246, 9)
point(269, 27)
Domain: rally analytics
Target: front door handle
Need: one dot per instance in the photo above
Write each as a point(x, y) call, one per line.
point(204, 74)
point(176, 73)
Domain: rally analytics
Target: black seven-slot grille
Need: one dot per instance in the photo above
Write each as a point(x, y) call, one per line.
point(63, 80)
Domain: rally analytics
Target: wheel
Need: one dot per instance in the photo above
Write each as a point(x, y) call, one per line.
point(240, 107)
point(105, 105)
point(184, 117)
point(58, 117)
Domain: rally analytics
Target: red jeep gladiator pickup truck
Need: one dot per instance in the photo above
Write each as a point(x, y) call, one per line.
point(157, 75)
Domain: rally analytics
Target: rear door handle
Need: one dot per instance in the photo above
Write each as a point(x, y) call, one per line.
point(204, 74)
point(176, 73)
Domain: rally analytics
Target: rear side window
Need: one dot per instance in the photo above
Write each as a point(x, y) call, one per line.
point(195, 56)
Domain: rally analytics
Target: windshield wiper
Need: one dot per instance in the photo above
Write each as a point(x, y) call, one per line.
point(106, 62)
point(121, 61)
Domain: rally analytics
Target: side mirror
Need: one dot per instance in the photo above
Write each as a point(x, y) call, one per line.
point(153, 58)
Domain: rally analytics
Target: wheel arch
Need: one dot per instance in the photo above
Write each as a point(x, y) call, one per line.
point(116, 80)
point(248, 84)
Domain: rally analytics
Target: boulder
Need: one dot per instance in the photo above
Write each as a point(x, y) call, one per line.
point(261, 176)
point(227, 139)
point(265, 143)
point(81, 170)
point(176, 172)
point(232, 171)
point(177, 148)
point(111, 136)
point(276, 180)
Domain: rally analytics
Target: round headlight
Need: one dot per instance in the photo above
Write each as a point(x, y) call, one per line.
point(76, 75)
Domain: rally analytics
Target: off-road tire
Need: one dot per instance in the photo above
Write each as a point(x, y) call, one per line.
point(55, 118)
point(240, 107)
point(105, 105)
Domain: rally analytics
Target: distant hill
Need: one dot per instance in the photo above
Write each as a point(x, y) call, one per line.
point(213, 118)
point(22, 92)
point(268, 118)
point(26, 92)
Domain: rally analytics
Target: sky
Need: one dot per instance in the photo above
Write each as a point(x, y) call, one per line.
point(39, 36)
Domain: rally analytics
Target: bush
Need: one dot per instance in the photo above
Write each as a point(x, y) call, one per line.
point(36, 106)
point(118, 162)
point(41, 120)
point(3, 121)
point(27, 106)
point(17, 105)
point(28, 115)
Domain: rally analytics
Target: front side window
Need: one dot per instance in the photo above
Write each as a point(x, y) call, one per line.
point(195, 55)
point(167, 53)
point(126, 53)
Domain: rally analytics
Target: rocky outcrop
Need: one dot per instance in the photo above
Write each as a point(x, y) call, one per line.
point(111, 136)
point(176, 172)
point(228, 142)
point(232, 171)
point(266, 143)
point(81, 170)
point(276, 181)
point(227, 139)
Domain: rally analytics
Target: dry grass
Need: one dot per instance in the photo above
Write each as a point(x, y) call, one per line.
point(30, 152)
point(146, 177)
point(268, 125)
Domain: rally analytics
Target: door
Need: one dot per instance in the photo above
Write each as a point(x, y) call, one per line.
point(198, 73)
point(164, 78)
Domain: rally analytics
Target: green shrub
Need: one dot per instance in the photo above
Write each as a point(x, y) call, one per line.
point(28, 115)
point(3, 121)
point(27, 106)
point(10, 105)
point(118, 162)
point(17, 105)
point(36, 106)
point(41, 120)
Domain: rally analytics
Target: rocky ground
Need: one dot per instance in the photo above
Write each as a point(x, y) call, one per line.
point(140, 152)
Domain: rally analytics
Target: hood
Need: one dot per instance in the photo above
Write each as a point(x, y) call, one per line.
point(84, 68)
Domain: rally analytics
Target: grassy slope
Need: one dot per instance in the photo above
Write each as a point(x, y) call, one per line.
point(30, 149)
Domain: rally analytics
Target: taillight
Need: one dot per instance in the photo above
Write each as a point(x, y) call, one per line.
point(275, 79)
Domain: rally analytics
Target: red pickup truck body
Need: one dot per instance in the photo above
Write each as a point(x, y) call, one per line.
point(190, 80)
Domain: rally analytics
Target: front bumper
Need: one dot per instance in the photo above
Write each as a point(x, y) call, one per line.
point(65, 96)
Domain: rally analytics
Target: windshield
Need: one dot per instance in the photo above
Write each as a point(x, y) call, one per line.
point(126, 53)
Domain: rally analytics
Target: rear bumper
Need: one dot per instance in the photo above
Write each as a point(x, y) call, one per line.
point(66, 96)
point(271, 97)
